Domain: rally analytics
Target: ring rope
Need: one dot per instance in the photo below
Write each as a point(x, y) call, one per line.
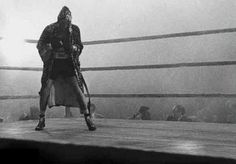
point(153, 37)
point(174, 95)
point(133, 67)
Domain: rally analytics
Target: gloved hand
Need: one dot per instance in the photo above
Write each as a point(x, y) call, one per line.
point(75, 48)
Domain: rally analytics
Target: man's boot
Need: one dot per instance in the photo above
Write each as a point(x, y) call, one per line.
point(89, 122)
point(41, 123)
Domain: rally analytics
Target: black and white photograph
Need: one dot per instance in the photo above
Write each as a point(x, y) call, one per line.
point(118, 81)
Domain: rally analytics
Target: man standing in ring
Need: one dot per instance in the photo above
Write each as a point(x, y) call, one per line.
point(59, 47)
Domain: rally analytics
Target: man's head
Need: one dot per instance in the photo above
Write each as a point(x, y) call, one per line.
point(64, 18)
point(178, 110)
point(143, 109)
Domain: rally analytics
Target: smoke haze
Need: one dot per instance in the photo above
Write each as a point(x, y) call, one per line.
point(108, 19)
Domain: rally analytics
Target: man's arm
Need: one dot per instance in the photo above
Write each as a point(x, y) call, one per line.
point(77, 44)
point(135, 116)
point(43, 45)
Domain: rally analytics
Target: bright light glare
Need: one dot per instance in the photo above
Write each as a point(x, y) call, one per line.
point(191, 147)
point(12, 44)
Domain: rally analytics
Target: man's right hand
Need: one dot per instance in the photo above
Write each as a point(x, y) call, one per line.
point(48, 47)
point(45, 54)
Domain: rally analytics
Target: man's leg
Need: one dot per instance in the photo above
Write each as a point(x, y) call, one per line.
point(82, 102)
point(68, 112)
point(43, 101)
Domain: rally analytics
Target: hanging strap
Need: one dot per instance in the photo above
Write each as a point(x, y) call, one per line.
point(77, 71)
point(87, 90)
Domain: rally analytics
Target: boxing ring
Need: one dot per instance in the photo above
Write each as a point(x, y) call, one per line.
point(127, 141)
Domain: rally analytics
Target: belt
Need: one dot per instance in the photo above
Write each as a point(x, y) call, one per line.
point(60, 55)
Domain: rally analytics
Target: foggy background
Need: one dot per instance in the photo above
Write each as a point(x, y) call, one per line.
point(109, 19)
